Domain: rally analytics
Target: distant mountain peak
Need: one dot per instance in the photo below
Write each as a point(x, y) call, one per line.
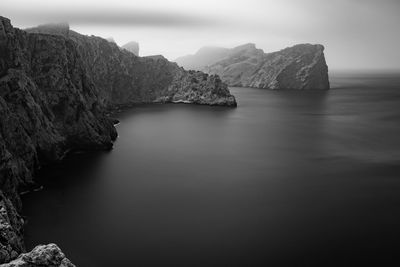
point(205, 56)
point(208, 55)
point(132, 47)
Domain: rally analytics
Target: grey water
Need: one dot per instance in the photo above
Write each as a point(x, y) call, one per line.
point(288, 178)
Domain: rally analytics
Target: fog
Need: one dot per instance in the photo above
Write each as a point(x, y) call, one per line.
point(356, 34)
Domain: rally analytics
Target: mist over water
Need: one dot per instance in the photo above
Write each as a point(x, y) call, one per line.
point(289, 178)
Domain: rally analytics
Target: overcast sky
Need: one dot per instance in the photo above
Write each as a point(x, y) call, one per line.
point(357, 34)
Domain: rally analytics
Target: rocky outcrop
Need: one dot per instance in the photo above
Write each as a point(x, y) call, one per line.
point(132, 47)
point(43, 255)
point(302, 66)
point(56, 87)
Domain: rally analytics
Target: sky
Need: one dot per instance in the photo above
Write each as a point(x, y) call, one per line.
point(357, 34)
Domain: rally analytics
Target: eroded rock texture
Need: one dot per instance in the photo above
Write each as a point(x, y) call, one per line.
point(11, 230)
point(43, 255)
point(55, 88)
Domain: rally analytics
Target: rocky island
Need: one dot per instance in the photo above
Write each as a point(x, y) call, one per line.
point(302, 66)
point(56, 87)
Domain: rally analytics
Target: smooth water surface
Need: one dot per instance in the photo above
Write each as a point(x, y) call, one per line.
point(288, 178)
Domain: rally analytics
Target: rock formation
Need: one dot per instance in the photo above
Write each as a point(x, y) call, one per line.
point(11, 230)
point(132, 47)
point(43, 255)
point(121, 78)
point(56, 86)
point(302, 66)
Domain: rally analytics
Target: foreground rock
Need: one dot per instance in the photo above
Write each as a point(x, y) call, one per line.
point(302, 66)
point(43, 255)
point(56, 87)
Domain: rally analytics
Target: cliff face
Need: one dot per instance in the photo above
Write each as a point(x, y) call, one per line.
point(299, 67)
point(11, 230)
point(47, 107)
point(55, 90)
point(121, 78)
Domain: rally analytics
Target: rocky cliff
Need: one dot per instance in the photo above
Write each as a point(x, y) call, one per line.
point(302, 66)
point(43, 255)
point(55, 89)
point(121, 78)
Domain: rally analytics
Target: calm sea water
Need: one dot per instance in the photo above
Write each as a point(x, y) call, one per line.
point(289, 178)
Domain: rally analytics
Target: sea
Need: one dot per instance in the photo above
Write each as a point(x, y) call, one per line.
point(288, 178)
